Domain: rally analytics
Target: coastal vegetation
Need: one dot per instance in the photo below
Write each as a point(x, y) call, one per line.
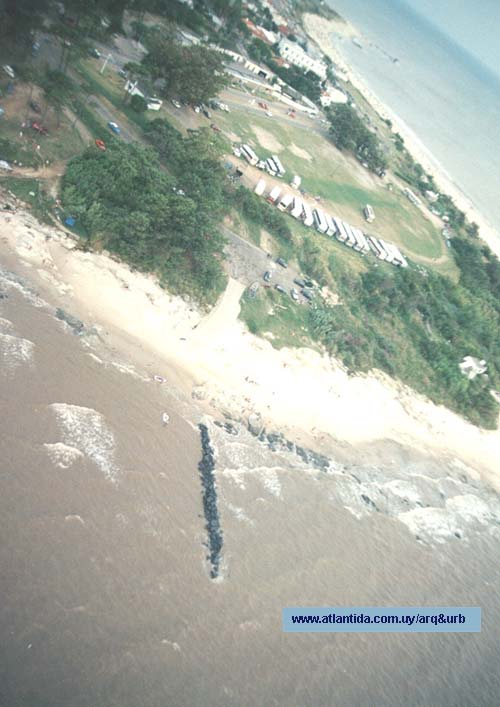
point(417, 326)
point(127, 203)
point(193, 74)
point(349, 133)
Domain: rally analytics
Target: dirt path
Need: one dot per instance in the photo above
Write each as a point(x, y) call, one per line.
point(223, 316)
point(83, 131)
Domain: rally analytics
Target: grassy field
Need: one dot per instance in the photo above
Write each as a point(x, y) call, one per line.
point(278, 319)
point(62, 142)
point(343, 186)
point(31, 192)
point(244, 227)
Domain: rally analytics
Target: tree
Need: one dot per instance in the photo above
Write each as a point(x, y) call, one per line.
point(57, 88)
point(138, 103)
point(126, 202)
point(193, 73)
point(18, 18)
point(350, 133)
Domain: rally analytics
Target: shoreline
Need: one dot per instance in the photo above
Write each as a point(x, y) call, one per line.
point(221, 367)
point(319, 32)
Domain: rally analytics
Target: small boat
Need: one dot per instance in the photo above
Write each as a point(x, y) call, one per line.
point(165, 418)
point(160, 379)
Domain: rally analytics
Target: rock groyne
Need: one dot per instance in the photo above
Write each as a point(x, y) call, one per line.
point(209, 495)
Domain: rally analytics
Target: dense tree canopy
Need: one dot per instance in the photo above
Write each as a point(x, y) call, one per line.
point(19, 17)
point(194, 74)
point(349, 132)
point(126, 202)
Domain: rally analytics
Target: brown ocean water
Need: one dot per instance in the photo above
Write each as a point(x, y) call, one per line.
point(106, 598)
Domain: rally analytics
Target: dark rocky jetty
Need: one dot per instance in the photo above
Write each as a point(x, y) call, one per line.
point(209, 494)
point(277, 442)
point(75, 324)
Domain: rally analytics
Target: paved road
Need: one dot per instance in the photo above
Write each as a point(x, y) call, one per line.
point(236, 98)
point(128, 134)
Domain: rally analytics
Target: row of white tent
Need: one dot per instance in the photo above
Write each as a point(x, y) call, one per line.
point(332, 226)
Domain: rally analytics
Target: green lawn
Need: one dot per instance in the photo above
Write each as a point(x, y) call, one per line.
point(275, 313)
point(30, 191)
point(344, 186)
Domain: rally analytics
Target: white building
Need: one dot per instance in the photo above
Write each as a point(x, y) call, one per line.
point(472, 367)
point(293, 53)
point(332, 95)
point(431, 196)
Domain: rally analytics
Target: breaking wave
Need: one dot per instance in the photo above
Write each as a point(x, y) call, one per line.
point(86, 430)
point(14, 352)
point(62, 455)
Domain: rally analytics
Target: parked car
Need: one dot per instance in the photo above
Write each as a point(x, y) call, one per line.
point(282, 262)
point(308, 295)
point(294, 294)
point(9, 71)
point(280, 289)
point(299, 282)
point(262, 105)
point(268, 275)
point(175, 103)
point(309, 284)
point(100, 144)
point(197, 109)
point(207, 113)
point(114, 127)
point(35, 48)
point(95, 53)
point(35, 107)
point(269, 114)
point(122, 73)
point(154, 103)
point(214, 127)
point(40, 129)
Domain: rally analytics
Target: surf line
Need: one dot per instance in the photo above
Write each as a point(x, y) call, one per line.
point(209, 495)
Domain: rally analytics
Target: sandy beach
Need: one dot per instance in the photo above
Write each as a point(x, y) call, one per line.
point(305, 394)
point(323, 33)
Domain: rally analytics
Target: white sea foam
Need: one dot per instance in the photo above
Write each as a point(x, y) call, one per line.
point(5, 325)
point(95, 358)
point(431, 524)
point(240, 514)
point(86, 429)
point(11, 281)
point(130, 370)
point(14, 352)
point(268, 477)
point(470, 509)
point(62, 455)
